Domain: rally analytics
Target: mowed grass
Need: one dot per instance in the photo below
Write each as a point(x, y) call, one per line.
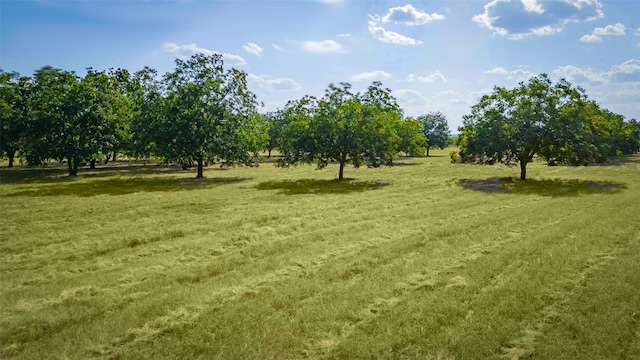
point(423, 260)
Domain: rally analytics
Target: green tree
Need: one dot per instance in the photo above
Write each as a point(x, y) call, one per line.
point(69, 117)
point(15, 91)
point(435, 129)
point(412, 139)
point(207, 112)
point(537, 117)
point(344, 127)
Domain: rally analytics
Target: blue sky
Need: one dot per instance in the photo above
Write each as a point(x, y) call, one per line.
point(434, 55)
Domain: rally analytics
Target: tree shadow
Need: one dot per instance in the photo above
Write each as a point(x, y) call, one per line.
point(403, 163)
point(554, 188)
point(124, 185)
point(45, 174)
point(310, 186)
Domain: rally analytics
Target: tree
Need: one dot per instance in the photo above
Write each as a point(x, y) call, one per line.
point(69, 117)
point(206, 113)
point(15, 91)
point(537, 117)
point(412, 138)
point(344, 127)
point(435, 129)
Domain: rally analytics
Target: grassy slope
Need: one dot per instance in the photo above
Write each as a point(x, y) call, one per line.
point(401, 262)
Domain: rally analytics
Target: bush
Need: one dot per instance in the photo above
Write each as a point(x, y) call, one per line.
point(455, 157)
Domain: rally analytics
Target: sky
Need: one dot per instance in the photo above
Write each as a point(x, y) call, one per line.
point(439, 55)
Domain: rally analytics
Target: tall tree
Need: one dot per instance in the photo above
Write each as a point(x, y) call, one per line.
point(344, 127)
point(69, 117)
point(537, 117)
point(207, 112)
point(15, 91)
point(436, 130)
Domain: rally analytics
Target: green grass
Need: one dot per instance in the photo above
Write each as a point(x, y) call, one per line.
point(426, 259)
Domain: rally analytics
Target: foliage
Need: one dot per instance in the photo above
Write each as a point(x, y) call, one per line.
point(15, 92)
point(412, 138)
point(344, 127)
point(207, 112)
point(435, 129)
point(554, 121)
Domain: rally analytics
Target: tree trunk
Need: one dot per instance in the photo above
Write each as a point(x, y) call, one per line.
point(73, 167)
point(92, 164)
point(199, 160)
point(269, 155)
point(343, 161)
point(523, 170)
point(11, 154)
point(115, 153)
point(427, 151)
point(106, 160)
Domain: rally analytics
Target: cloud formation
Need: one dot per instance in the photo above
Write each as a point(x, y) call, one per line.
point(386, 36)
point(253, 48)
point(435, 77)
point(186, 50)
point(516, 74)
point(628, 71)
point(517, 19)
point(371, 76)
point(270, 84)
point(410, 16)
point(609, 30)
point(323, 46)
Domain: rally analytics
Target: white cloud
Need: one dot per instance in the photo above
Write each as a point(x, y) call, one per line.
point(324, 46)
point(498, 71)
point(574, 73)
point(371, 76)
point(637, 33)
point(409, 97)
point(253, 48)
point(517, 19)
point(590, 39)
point(274, 84)
point(609, 30)
point(410, 16)
point(183, 51)
point(277, 47)
point(386, 36)
point(615, 30)
point(516, 74)
point(435, 77)
point(344, 35)
point(628, 71)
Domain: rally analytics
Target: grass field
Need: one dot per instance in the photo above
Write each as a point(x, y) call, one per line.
point(423, 260)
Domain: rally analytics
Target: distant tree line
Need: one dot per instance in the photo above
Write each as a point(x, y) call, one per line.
point(202, 113)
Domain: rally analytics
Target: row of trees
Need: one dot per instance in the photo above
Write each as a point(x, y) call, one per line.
point(556, 122)
point(199, 112)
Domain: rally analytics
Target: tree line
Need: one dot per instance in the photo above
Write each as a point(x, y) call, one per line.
point(201, 112)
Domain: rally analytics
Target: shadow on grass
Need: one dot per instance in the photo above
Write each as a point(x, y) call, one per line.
point(555, 188)
point(402, 163)
point(124, 185)
point(58, 173)
point(309, 186)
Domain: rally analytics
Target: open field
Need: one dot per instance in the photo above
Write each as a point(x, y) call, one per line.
point(426, 259)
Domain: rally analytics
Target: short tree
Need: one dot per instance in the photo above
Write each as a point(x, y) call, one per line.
point(412, 138)
point(15, 91)
point(344, 127)
point(435, 129)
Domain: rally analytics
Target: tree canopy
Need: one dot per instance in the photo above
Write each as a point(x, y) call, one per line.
point(346, 127)
point(435, 129)
point(554, 121)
